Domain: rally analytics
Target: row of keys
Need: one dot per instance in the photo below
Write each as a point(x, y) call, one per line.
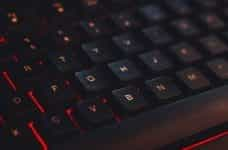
point(164, 88)
point(94, 81)
point(124, 20)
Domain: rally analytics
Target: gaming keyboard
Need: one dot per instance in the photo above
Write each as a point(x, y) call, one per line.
point(113, 74)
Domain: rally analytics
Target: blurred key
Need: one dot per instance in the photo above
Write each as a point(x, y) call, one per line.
point(186, 27)
point(55, 127)
point(90, 5)
point(156, 61)
point(126, 20)
point(16, 104)
point(64, 61)
point(100, 51)
point(219, 67)
point(128, 43)
point(207, 3)
point(193, 79)
point(21, 137)
point(212, 20)
point(186, 53)
point(55, 91)
point(182, 7)
point(95, 28)
point(152, 13)
point(214, 45)
point(157, 35)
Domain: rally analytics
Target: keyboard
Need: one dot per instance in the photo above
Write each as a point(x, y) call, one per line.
point(117, 74)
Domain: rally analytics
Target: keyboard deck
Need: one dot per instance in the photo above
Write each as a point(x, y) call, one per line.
point(68, 68)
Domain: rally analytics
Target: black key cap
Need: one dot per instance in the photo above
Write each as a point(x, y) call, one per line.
point(193, 78)
point(93, 80)
point(95, 28)
point(64, 61)
point(186, 53)
point(99, 51)
point(90, 4)
point(152, 13)
point(207, 3)
point(29, 68)
point(128, 43)
point(214, 45)
point(157, 35)
point(212, 21)
point(62, 38)
point(55, 90)
point(30, 46)
point(130, 99)
point(16, 104)
point(219, 67)
point(55, 127)
point(185, 27)
point(126, 20)
point(182, 7)
point(20, 137)
point(156, 61)
point(125, 70)
point(163, 87)
point(94, 112)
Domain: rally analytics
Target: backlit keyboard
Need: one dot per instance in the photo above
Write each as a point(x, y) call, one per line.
point(70, 67)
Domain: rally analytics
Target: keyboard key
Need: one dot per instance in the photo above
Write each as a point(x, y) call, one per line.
point(55, 91)
point(182, 7)
point(90, 4)
point(156, 61)
point(207, 3)
point(128, 43)
point(130, 99)
point(16, 104)
point(101, 51)
point(64, 39)
point(186, 53)
point(214, 45)
point(94, 112)
point(31, 46)
point(95, 28)
point(125, 20)
point(29, 68)
point(163, 88)
point(152, 13)
point(157, 35)
point(93, 80)
point(193, 79)
point(64, 61)
point(219, 67)
point(212, 21)
point(20, 137)
point(185, 27)
point(125, 70)
point(56, 127)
